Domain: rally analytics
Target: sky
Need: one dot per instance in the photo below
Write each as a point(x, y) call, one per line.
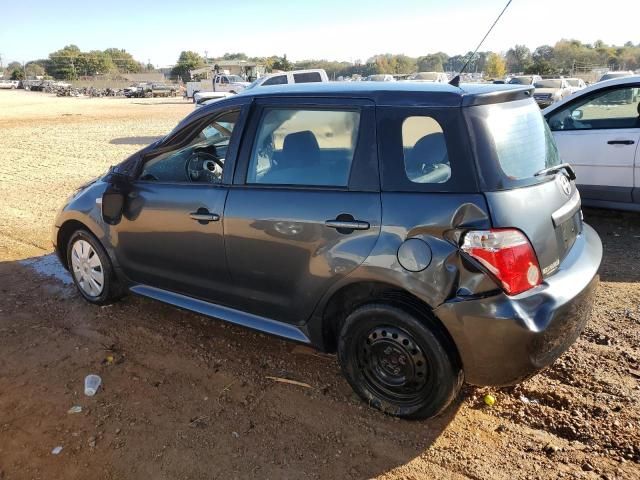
point(347, 30)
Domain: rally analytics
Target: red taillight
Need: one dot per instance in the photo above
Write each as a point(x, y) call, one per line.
point(508, 256)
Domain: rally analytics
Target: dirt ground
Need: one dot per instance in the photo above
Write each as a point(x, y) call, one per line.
point(185, 397)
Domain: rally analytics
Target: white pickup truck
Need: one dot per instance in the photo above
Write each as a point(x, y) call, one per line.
point(220, 83)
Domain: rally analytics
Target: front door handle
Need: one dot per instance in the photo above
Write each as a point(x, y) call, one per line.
point(347, 224)
point(204, 216)
point(621, 142)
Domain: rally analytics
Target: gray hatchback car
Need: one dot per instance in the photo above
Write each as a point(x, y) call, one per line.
point(429, 234)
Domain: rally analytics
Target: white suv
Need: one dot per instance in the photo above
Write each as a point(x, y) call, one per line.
point(295, 76)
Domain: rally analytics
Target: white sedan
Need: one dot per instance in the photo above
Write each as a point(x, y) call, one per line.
point(597, 131)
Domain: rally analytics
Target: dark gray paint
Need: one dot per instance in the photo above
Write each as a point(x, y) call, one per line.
point(272, 263)
point(281, 254)
point(531, 210)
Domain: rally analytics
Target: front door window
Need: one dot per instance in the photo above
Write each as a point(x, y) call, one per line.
point(201, 160)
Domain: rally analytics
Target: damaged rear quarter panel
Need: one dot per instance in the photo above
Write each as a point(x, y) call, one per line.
point(439, 220)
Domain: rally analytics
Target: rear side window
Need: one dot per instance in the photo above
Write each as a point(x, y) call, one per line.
point(277, 80)
point(425, 151)
point(307, 77)
point(304, 147)
point(512, 143)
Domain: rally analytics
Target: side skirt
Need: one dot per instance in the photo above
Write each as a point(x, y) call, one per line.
point(237, 317)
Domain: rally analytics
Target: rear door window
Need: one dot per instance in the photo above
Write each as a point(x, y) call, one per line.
point(304, 147)
point(277, 80)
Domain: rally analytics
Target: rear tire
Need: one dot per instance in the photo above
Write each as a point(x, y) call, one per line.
point(396, 363)
point(91, 269)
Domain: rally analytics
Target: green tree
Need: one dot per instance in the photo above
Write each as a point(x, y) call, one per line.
point(121, 59)
point(17, 74)
point(282, 64)
point(33, 69)
point(430, 63)
point(63, 63)
point(235, 56)
point(495, 66)
point(188, 60)
point(518, 58)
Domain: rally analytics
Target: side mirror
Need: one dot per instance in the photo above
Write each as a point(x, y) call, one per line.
point(576, 114)
point(113, 198)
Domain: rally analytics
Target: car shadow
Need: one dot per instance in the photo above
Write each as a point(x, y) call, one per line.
point(198, 392)
point(133, 140)
point(620, 235)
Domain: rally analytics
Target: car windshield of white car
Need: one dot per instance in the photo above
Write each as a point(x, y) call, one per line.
point(548, 84)
point(521, 80)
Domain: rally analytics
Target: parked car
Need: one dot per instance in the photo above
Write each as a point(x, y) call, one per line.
point(400, 225)
point(597, 131)
point(380, 78)
point(549, 91)
point(435, 77)
point(295, 76)
point(202, 98)
point(524, 80)
point(9, 84)
point(612, 75)
point(575, 84)
point(135, 91)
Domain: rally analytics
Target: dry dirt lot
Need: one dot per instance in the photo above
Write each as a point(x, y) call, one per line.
point(188, 397)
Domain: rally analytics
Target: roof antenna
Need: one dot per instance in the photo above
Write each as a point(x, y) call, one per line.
point(455, 81)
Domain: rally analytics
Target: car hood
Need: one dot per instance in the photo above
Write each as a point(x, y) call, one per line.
point(244, 84)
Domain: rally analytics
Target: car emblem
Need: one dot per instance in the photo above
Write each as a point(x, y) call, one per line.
point(565, 185)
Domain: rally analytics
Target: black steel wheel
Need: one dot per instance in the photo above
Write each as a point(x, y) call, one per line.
point(398, 362)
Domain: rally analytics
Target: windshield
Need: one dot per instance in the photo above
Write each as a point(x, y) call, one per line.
point(235, 78)
point(548, 84)
point(513, 143)
point(609, 76)
point(574, 82)
point(521, 80)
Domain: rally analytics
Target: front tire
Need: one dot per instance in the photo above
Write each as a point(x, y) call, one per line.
point(91, 269)
point(397, 362)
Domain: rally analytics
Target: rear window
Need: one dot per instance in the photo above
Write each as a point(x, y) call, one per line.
point(512, 143)
point(307, 77)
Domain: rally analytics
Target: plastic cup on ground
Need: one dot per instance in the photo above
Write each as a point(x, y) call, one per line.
point(91, 385)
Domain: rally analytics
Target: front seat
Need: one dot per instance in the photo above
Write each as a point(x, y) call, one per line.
point(300, 151)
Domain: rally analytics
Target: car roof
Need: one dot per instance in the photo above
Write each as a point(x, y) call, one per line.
point(395, 93)
point(614, 82)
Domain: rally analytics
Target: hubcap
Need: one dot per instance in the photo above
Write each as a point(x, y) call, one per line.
point(87, 268)
point(393, 364)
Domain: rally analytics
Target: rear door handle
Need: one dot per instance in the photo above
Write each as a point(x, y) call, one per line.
point(204, 217)
point(621, 142)
point(347, 224)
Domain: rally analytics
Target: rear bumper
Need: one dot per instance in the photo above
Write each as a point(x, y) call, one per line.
point(503, 340)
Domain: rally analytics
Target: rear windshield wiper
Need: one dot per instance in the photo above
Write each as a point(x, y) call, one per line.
point(557, 168)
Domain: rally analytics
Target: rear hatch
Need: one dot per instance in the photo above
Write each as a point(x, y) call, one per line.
point(513, 145)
